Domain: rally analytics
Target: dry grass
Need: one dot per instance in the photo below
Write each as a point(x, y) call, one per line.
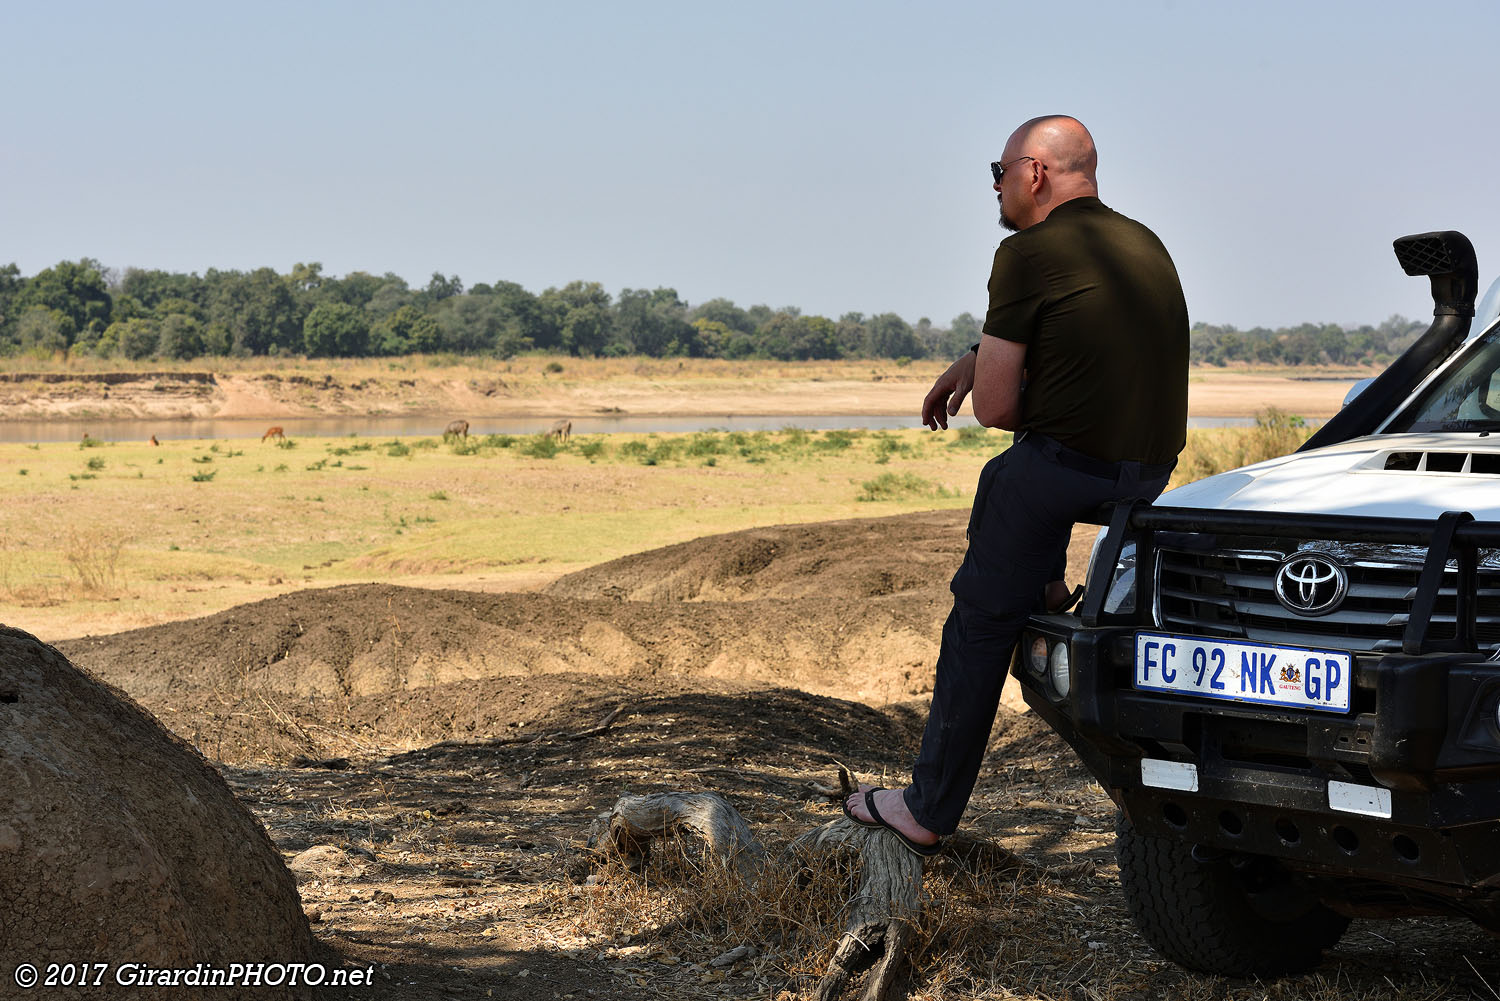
point(1216, 450)
point(118, 535)
point(986, 931)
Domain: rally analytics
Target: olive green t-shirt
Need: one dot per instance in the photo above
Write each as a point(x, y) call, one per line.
point(1095, 298)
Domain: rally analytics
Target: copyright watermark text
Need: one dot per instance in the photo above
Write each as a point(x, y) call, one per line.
point(27, 976)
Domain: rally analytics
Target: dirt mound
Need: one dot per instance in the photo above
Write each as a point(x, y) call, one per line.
point(119, 842)
point(855, 558)
point(366, 639)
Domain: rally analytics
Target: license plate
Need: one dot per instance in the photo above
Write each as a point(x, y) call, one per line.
point(1237, 671)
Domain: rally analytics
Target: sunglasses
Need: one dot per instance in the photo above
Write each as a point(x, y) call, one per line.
point(998, 169)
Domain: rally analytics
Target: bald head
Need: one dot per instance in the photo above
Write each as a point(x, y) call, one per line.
point(1062, 143)
point(1064, 166)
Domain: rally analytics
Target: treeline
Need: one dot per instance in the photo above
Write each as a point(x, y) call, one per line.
point(84, 307)
point(1308, 344)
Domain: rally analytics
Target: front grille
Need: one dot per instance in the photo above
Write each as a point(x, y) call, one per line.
point(1230, 591)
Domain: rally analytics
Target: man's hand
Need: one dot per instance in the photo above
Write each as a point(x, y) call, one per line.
point(947, 394)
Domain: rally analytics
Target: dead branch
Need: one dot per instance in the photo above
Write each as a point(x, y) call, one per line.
point(882, 914)
point(636, 821)
point(530, 739)
point(879, 930)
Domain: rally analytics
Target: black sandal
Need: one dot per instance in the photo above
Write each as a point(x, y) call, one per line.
point(844, 805)
point(916, 848)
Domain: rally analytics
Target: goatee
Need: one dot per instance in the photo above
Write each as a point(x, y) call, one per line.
point(1006, 221)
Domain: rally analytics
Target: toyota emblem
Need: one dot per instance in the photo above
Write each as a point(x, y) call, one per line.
point(1309, 584)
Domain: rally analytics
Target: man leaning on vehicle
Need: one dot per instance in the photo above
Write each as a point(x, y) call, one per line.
point(1084, 355)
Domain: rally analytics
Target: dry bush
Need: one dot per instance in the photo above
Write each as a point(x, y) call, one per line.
point(1213, 451)
point(986, 929)
point(93, 554)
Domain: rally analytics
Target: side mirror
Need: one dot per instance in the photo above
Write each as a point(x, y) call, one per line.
point(1355, 390)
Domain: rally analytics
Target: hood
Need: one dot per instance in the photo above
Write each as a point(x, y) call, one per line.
point(1389, 475)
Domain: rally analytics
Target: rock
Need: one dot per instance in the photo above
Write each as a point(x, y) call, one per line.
point(118, 841)
point(733, 956)
point(326, 862)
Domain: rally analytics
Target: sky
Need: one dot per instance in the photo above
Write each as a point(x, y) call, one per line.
point(829, 156)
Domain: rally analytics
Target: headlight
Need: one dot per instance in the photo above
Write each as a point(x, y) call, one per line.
point(1059, 670)
point(1036, 655)
point(1120, 598)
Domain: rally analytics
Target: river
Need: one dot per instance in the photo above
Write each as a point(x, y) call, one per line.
point(30, 431)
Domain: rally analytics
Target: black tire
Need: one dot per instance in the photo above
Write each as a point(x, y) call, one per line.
point(1246, 917)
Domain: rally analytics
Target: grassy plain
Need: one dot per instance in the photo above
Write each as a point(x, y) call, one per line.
point(98, 537)
point(114, 536)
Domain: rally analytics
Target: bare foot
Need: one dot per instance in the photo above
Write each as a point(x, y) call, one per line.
point(892, 806)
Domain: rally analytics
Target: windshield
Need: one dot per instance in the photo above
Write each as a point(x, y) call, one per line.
point(1464, 398)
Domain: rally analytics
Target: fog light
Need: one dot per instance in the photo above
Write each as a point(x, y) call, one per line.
point(1036, 657)
point(1059, 670)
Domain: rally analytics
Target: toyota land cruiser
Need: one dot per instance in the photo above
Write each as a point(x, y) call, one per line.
point(1286, 675)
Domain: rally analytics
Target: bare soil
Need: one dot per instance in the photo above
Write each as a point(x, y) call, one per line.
point(587, 387)
point(430, 762)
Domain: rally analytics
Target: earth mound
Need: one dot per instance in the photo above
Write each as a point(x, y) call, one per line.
point(119, 842)
point(850, 608)
point(854, 558)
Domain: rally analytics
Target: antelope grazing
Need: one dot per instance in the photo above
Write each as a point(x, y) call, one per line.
point(154, 441)
point(561, 430)
point(458, 429)
point(274, 432)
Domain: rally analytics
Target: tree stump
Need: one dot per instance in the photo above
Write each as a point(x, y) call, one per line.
point(882, 911)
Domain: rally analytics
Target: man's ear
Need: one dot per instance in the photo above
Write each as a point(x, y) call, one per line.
point(1038, 175)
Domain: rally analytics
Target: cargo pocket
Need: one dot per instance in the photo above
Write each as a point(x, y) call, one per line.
point(982, 491)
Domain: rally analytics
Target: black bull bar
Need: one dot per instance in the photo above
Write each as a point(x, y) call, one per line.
point(1453, 537)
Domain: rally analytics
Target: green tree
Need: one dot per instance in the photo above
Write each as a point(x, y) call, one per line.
point(257, 308)
point(479, 325)
point(135, 339)
point(724, 312)
point(44, 331)
point(335, 329)
point(390, 295)
point(181, 337)
point(150, 288)
point(74, 288)
point(653, 323)
point(405, 331)
point(580, 313)
point(963, 333)
point(889, 336)
point(10, 289)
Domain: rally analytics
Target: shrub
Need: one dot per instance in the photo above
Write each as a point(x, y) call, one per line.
point(901, 486)
point(540, 446)
point(837, 441)
point(707, 443)
point(1213, 451)
point(971, 436)
point(96, 462)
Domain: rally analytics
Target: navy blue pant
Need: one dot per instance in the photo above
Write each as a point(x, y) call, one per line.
point(1024, 509)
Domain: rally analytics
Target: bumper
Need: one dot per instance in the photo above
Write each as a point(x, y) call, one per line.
point(1404, 789)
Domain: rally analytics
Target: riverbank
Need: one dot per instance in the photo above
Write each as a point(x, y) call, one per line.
point(562, 387)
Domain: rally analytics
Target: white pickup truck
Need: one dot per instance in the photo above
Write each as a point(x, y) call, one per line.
point(1287, 676)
